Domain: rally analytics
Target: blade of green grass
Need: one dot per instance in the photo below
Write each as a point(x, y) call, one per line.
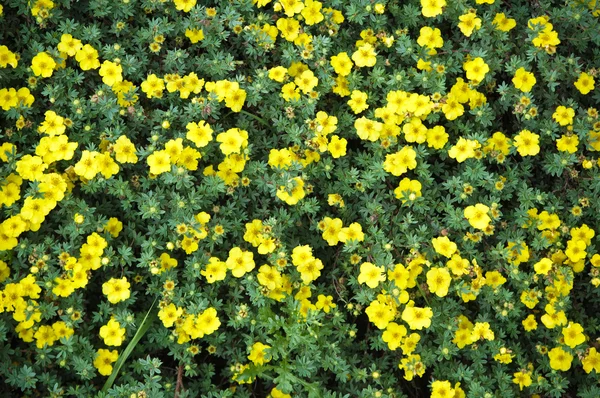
point(260, 119)
point(141, 331)
point(252, 115)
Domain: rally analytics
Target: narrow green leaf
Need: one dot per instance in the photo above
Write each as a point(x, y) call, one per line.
point(141, 331)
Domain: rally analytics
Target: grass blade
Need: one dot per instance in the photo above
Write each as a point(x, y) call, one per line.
point(141, 331)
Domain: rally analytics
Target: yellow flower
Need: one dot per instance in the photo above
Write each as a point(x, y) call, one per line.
point(306, 81)
point(573, 335)
point(290, 92)
point(411, 187)
point(543, 266)
point(234, 99)
point(184, 5)
point(104, 360)
point(113, 226)
point(87, 57)
point(502, 23)
point(111, 73)
point(351, 232)
point(452, 108)
point(124, 150)
point(367, 129)
point(379, 8)
point(310, 271)
point(468, 23)
point(53, 124)
point(240, 262)
point(432, 8)
point(112, 333)
point(576, 250)
point(153, 86)
point(560, 359)
point(45, 336)
point(280, 158)
point(106, 165)
point(583, 233)
point(337, 146)
point(437, 137)
point(415, 131)
point(358, 101)
point(208, 322)
point(494, 279)
point(7, 57)
point(232, 140)
point(195, 35)
point(444, 246)
point(258, 354)
point(563, 115)
point(464, 334)
point(430, 37)
point(393, 335)
point(522, 378)
point(416, 317)
point(567, 143)
point(87, 167)
point(312, 12)
point(342, 64)
point(275, 393)
point(199, 133)
point(269, 277)
point(291, 7)
point(371, 275)
point(585, 83)
point(302, 255)
point(365, 56)
point(553, 318)
point(278, 73)
point(169, 314)
point(591, 361)
point(547, 37)
point(215, 270)
point(458, 265)
point(334, 199)
point(332, 229)
point(400, 162)
point(69, 45)
point(478, 216)
point(438, 281)
point(527, 143)
point(116, 290)
point(476, 69)
point(293, 193)
point(159, 162)
point(289, 28)
point(380, 314)
point(481, 331)
point(43, 64)
point(524, 80)
point(463, 149)
point(442, 389)
point(424, 65)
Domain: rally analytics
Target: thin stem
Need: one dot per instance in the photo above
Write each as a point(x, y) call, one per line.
point(423, 294)
point(258, 119)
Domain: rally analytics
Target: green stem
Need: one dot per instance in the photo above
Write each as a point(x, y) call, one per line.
point(423, 294)
point(259, 119)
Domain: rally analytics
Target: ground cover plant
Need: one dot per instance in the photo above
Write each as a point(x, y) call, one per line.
point(254, 198)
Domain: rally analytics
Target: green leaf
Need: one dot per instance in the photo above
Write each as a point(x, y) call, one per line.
point(141, 331)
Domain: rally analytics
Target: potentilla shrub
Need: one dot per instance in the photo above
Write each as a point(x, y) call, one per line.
point(254, 198)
